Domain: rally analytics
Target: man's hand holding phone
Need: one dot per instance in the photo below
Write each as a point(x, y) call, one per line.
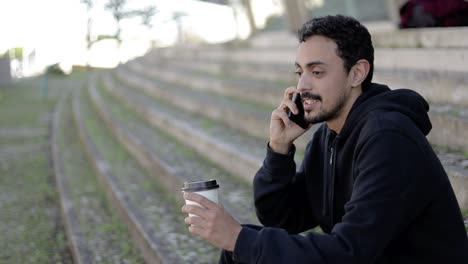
point(286, 122)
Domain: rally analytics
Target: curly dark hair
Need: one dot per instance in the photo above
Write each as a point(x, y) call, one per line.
point(352, 38)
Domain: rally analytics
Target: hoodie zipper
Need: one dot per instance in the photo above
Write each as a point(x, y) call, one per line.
point(329, 178)
point(331, 184)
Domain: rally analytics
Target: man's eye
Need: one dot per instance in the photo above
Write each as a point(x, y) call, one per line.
point(298, 73)
point(317, 73)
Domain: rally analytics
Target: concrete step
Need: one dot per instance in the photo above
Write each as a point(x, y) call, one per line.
point(31, 224)
point(437, 86)
point(251, 118)
point(448, 60)
point(456, 166)
point(268, 93)
point(151, 214)
point(457, 171)
point(450, 126)
point(449, 121)
point(229, 148)
point(184, 163)
point(447, 37)
point(93, 231)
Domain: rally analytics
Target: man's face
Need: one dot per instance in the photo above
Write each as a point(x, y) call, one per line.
point(323, 80)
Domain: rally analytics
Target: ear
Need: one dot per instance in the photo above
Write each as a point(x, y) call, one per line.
point(359, 72)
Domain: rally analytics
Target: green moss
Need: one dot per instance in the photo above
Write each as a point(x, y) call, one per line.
point(29, 201)
point(465, 213)
point(86, 185)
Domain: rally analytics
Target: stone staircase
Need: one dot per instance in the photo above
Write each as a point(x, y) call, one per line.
point(188, 113)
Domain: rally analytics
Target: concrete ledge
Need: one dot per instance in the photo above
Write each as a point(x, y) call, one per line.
point(249, 91)
point(437, 123)
point(164, 173)
point(243, 165)
point(438, 60)
point(427, 59)
point(460, 187)
point(168, 174)
point(436, 86)
point(137, 227)
point(80, 252)
point(252, 124)
point(446, 37)
point(447, 130)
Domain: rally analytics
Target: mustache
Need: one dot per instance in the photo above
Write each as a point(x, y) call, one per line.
point(311, 96)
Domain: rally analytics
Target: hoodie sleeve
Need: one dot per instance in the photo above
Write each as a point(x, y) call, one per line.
point(386, 196)
point(279, 194)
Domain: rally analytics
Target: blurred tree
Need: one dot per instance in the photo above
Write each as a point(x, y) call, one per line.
point(177, 16)
point(89, 6)
point(119, 12)
point(250, 15)
point(147, 15)
point(116, 7)
point(296, 13)
point(245, 6)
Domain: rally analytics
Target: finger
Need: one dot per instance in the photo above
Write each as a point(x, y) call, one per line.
point(195, 220)
point(289, 105)
point(287, 102)
point(194, 209)
point(207, 203)
point(288, 93)
point(283, 116)
point(197, 230)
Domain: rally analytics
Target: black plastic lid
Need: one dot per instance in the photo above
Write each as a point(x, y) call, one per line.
point(196, 186)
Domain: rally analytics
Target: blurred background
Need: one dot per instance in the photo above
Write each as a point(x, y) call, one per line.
point(35, 34)
point(108, 106)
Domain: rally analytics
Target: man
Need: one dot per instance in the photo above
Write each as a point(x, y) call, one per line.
point(369, 177)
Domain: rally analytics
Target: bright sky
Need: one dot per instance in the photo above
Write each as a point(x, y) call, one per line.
point(56, 29)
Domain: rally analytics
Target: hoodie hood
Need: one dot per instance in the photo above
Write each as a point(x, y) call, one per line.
point(380, 97)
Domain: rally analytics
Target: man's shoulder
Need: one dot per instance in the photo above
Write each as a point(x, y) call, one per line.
point(380, 121)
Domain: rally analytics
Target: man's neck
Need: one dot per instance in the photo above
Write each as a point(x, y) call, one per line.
point(337, 123)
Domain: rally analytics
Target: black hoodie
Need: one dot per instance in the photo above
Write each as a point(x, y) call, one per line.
point(377, 190)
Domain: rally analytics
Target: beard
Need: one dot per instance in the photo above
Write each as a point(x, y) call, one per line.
point(324, 114)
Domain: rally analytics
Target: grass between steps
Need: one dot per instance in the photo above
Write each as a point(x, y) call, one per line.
point(207, 121)
point(107, 236)
point(465, 217)
point(225, 74)
point(30, 215)
point(23, 105)
point(238, 102)
point(18, 140)
point(158, 206)
point(104, 136)
point(124, 113)
point(192, 165)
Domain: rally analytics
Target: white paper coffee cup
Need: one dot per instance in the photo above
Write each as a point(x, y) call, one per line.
point(207, 189)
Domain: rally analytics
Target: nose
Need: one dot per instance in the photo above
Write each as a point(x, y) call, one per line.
point(304, 83)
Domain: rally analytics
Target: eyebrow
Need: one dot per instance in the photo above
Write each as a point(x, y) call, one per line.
point(310, 64)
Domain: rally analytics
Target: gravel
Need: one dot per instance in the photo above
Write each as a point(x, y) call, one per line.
point(151, 203)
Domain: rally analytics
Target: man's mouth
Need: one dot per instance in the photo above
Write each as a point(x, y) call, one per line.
point(310, 101)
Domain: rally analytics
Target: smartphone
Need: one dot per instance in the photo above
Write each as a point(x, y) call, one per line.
point(299, 118)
